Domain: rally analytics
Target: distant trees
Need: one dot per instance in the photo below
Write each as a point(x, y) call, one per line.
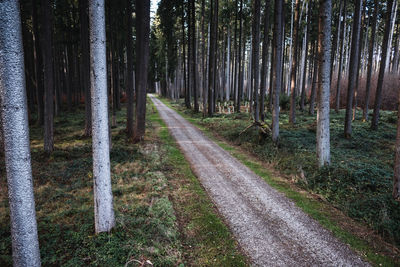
point(13, 106)
point(103, 199)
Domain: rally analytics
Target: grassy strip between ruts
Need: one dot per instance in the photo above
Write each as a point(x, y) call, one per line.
point(162, 213)
point(344, 228)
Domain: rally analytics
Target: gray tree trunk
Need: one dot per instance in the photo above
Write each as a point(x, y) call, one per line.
point(396, 176)
point(353, 68)
point(277, 76)
point(324, 57)
point(264, 64)
point(129, 79)
point(292, 114)
point(341, 59)
point(103, 199)
point(370, 61)
point(47, 48)
point(13, 105)
point(255, 60)
point(382, 68)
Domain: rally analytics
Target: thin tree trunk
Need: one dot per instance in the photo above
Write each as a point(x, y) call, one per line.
point(85, 58)
point(324, 50)
point(314, 83)
point(342, 48)
point(264, 66)
point(129, 78)
point(13, 106)
point(382, 69)
point(240, 78)
point(353, 67)
point(370, 60)
point(278, 43)
point(47, 40)
point(306, 37)
point(212, 56)
point(292, 114)
point(38, 64)
point(255, 61)
point(103, 199)
point(396, 176)
point(194, 55)
point(142, 63)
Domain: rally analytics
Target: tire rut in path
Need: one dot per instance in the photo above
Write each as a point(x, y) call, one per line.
point(269, 227)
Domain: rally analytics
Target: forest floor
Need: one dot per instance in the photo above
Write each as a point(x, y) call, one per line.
point(163, 214)
point(358, 184)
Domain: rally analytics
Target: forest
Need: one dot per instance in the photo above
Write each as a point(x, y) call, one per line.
point(199, 133)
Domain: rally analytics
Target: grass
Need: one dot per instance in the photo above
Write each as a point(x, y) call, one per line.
point(163, 215)
point(358, 184)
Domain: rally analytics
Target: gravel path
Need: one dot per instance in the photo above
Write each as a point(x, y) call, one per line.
point(269, 227)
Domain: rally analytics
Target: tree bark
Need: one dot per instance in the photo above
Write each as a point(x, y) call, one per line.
point(396, 176)
point(342, 48)
point(264, 66)
point(103, 199)
point(353, 68)
point(370, 60)
point(255, 61)
point(382, 68)
point(324, 57)
point(85, 65)
point(47, 52)
point(129, 78)
point(240, 72)
point(194, 55)
point(292, 114)
point(142, 63)
point(13, 106)
point(212, 56)
point(278, 43)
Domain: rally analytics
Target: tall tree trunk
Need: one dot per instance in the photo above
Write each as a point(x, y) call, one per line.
point(47, 45)
point(358, 71)
point(370, 60)
point(264, 66)
point(324, 50)
point(396, 176)
point(240, 74)
point(342, 48)
point(38, 64)
point(13, 106)
point(142, 63)
point(203, 56)
point(306, 37)
point(85, 65)
point(194, 55)
point(292, 114)
point(103, 199)
point(212, 56)
point(187, 95)
point(256, 61)
point(278, 43)
point(382, 68)
point(353, 67)
point(314, 82)
point(129, 78)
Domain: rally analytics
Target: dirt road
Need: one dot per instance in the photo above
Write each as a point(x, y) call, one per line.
point(269, 227)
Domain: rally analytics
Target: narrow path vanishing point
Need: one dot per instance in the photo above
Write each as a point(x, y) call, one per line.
point(269, 227)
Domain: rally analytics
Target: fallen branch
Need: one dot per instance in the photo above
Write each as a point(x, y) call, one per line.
point(263, 127)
